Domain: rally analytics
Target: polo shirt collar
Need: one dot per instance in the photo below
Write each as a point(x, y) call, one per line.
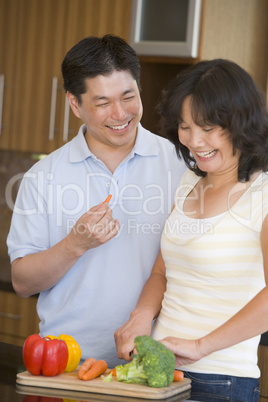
point(145, 145)
point(79, 150)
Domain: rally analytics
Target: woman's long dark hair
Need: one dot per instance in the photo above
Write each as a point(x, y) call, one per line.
point(223, 94)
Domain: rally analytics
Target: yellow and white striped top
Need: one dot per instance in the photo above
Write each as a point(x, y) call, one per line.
point(213, 269)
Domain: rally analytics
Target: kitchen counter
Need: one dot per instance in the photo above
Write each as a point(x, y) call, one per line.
point(11, 363)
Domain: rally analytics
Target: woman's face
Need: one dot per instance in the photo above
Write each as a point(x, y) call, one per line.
point(210, 145)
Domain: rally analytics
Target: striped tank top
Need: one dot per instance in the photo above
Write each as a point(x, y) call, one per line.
point(214, 267)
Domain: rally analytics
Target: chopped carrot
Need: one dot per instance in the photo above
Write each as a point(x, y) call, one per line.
point(88, 363)
point(108, 199)
point(178, 375)
point(113, 371)
point(96, 370)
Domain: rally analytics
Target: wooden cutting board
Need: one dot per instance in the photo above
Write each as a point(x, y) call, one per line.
point(70, 381)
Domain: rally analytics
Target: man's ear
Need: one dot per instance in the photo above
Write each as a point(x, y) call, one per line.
point(73, 104)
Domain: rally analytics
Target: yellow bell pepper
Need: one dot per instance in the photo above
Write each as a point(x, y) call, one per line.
point(74, 351)
point(69, 400)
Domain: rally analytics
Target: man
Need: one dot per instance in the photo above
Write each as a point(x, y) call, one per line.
point(89, 260)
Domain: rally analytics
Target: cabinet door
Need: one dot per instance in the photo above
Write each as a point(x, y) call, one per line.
point(18, 318)
point(263, 365)
point(9, 16)
point(36, 116)
point(40, 48)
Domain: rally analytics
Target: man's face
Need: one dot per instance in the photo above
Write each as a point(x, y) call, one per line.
point(111, 109)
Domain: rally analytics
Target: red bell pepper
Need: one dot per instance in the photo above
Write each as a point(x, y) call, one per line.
point(44, 356)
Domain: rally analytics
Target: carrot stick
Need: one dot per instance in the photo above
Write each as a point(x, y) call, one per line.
point(96, 370)
point(113, 371)
point(88, 363)
point(108, 199)
point(178, 375)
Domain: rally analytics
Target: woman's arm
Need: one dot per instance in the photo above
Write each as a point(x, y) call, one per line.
point(147, 308)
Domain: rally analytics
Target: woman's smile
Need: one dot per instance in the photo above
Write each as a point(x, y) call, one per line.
point(205, 155)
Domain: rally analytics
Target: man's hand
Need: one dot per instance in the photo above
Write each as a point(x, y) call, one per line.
point(94, 228)
point(37, 272)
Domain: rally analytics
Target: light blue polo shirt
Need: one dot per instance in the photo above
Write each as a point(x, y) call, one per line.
point(98, 293)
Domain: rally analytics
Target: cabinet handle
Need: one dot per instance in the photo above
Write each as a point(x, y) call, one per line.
point(66, 120)
point(53, 108)
point(10, 315)
point(2, 86)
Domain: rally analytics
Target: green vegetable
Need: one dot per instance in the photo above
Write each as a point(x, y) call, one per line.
point(107, 378)
point(153, 365)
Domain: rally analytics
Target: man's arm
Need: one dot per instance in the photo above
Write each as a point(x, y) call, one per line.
point(147, 309)
point(40, 271)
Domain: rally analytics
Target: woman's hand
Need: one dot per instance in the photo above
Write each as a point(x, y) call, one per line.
point(138, 324)
point(187, 351)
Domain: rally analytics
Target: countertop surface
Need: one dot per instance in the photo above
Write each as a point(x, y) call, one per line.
point(11, 363)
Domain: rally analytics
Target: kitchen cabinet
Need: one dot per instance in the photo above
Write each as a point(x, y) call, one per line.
point(33, 50)
point(8, 12)
point(165, 27)
point(235, 30)
point(36, 34)
point(230, 29)
point(18, 318)
point(263, 365)
point(34, 37)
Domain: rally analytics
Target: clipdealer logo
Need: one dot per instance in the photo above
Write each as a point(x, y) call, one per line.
point(47, 196)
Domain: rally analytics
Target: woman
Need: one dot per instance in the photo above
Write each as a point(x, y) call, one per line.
point(208, 286)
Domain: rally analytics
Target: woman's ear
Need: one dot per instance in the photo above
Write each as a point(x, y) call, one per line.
point(73, 104)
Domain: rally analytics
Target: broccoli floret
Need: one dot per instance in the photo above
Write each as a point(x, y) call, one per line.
point(131, 372)
point(107, 378)
point(154, 364)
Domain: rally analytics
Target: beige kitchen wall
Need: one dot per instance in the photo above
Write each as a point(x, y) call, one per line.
point(238, 30)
